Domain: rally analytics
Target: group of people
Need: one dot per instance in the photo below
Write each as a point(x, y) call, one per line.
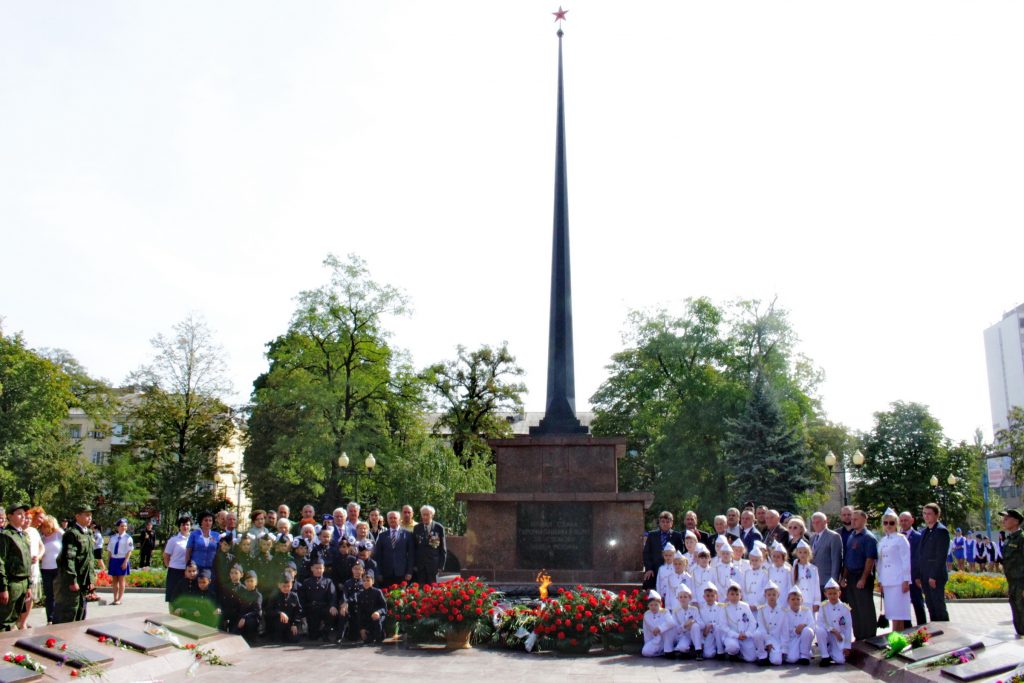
point(973, 551)
point(320, 577)
point(785, 585)
point(41, 558)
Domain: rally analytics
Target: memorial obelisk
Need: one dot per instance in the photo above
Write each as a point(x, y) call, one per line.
point(557, 505)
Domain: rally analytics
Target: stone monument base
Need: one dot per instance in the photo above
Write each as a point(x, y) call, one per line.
point(556, 508)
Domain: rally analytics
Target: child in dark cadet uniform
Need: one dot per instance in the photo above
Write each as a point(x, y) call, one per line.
point(250, 607)
point(371, 608)
point(320, 602)
point(230, 604)
point(284, 613)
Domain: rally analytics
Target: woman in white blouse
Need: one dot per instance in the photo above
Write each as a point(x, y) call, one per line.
point(174, 558)
point(120, 547)
point(52, 536)
point(894, 571)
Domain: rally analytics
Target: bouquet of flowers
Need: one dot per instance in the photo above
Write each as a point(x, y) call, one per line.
point(897, 644)
point(919, 637)
point(954, 658)
point(577, 620)
point(25, 661)
point(442, 608)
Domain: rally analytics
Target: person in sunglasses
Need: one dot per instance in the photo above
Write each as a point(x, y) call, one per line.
point(894, 571)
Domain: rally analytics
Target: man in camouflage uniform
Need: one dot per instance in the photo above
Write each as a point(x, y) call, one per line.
point(1013, 565)
point(76, 569)
point(15, 562)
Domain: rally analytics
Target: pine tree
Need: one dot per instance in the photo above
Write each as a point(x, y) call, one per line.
point(765, 460)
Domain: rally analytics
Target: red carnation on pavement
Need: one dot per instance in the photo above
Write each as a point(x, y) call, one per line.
point(51, 642)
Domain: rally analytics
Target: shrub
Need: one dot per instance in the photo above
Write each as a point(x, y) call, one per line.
point(965, 586)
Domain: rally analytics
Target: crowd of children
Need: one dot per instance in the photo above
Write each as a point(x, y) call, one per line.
point(286, 587)
point(772, 611)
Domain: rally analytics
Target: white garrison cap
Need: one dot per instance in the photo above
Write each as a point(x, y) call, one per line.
point(803, 544)
point(738, 544)
point(756, 552)
point(678, 556)
point(709, 586)
point(690, 534)
point(722, 541)
point(668, 548)
point(733, 584)
point(796, 589)
point(831, 584)
point(683, 588)
point(701, 548)
point(771, 585)
point(889, 511)
point(778, 547)
point(654, 595)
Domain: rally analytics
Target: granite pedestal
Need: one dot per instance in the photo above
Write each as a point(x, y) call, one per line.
point(556, 507)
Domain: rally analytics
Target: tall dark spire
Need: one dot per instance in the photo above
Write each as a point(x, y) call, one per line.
point(560, 410)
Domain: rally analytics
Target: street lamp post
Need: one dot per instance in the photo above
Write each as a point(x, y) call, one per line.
point(943, 495)
point(370, 463)
point(831, 460)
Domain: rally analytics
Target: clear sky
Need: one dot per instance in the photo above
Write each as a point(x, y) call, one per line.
point(861, 161)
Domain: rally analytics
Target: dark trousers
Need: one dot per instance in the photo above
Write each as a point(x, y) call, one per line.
point(917, 600)
point(145, 556)
point(282, 632)
point(319, 620)
point(48, 576)
point(1016, 591)
point(935, 599)
point(374, 630)
point(862, 607)
point(68, 605)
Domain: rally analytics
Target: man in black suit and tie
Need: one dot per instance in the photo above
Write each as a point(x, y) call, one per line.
point(394, 553)
point(928, 564)
point(913, 536)
point(655, 543)
point(431, 549)
point(748, 532)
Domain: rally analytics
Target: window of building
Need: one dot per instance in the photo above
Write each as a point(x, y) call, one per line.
point(75, 431)
point(96, 434)
point(100, 457)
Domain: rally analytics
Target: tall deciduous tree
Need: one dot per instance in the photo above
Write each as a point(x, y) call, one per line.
point(473, 391)
point(179, 421)
point(334, 384)
point(765, 459)
point(1011, 442)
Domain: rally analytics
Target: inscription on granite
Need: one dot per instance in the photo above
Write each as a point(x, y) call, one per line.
point(554, 535)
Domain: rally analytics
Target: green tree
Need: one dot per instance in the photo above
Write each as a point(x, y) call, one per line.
point(473, 391)
point(39, 463)
point(1010, 441)
point(680, 378)
point(334, 384)
point(179, 422)
point(903, 451)
point(765, 459)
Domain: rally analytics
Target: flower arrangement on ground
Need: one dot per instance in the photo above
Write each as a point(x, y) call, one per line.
point(919, 637)
point(439, 609)
point(954, 658)
point(897, 644)
point(25, 661)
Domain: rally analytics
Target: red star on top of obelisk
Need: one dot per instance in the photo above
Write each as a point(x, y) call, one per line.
point(560, 14)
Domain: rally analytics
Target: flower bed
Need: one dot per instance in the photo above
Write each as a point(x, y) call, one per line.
point(150, 577)
point(433, 611)
point(964, 586)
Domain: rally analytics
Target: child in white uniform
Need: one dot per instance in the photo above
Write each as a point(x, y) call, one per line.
point(658, 627)
point(834, 628)
point(805, 575)
point(712, 631)
point(702, 572)
point(799, 629)
point(669, 587)
point(740, 628)
point(771, 622)
point(780, 573)
point(755, 579)
point(688, 623)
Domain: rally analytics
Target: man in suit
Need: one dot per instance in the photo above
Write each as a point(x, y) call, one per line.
point(748, 531)
point(655, 542)
point(826, 549)
point(431, 549)
point(913, 536)
point(76, 569)
point(931, 575)
point(773, 529)
point(395, 553)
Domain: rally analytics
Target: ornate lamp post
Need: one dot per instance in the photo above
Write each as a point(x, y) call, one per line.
point(943, 492)
point(370, 463)
point(831, 460)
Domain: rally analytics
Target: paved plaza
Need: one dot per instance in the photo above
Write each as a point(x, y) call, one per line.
point(274, 663)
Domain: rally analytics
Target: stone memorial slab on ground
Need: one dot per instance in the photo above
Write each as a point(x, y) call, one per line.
point(73, 656)
point(134, 638)
point(12, 673)
point(183, 627)
point(882, 642)
point(991, 661)
point(941, 646)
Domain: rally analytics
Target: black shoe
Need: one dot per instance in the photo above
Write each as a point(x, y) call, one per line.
point(735, 658)
point(803, 661)
point(700, 656)
point(763, 661)
point(825, 661)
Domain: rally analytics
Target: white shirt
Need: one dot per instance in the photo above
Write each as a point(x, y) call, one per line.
point(802, 616)
point(893, 560)
point(662, 620)
point(176, 549)
point(739, 619)
point(51, 549)
point(837, 617)
point(772, 621)
point(807, 579)
point(120, 545)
